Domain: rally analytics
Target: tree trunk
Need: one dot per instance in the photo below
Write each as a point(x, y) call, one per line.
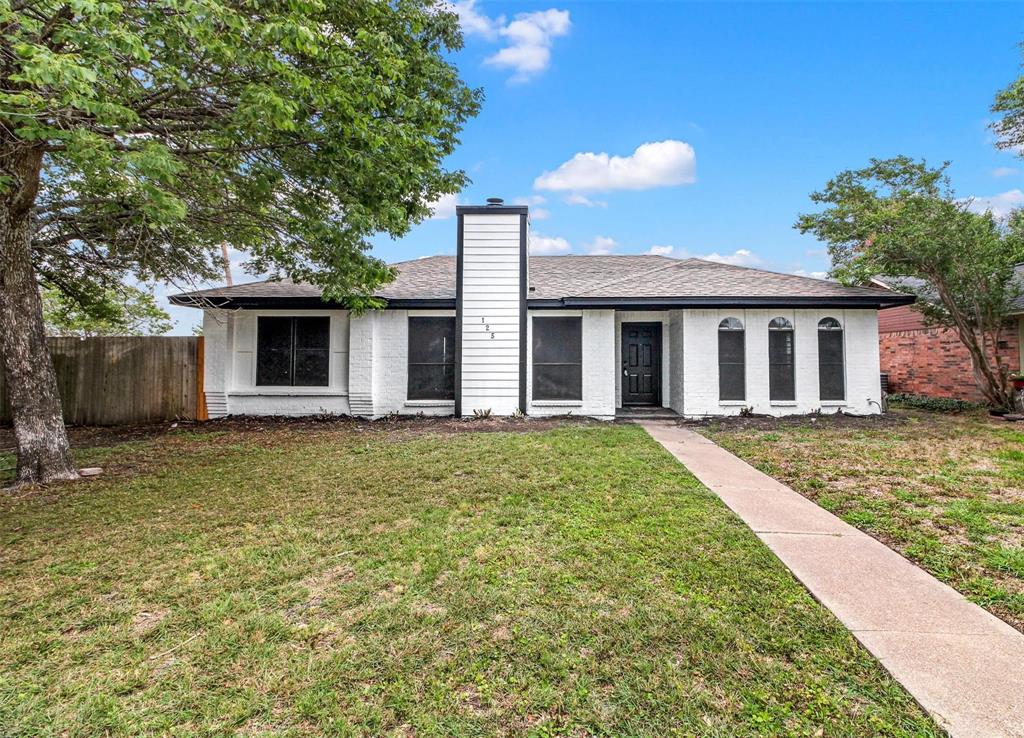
point(991, 381)
point(43, 451)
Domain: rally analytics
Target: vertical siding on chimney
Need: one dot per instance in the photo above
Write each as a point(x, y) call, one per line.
point(490, 312)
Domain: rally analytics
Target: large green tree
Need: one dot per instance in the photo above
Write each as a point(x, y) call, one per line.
point(900, 218)
point(136, 136)
point(121, 311)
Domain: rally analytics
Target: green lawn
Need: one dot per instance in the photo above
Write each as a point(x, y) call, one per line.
point(946, 490)
point(345, 580)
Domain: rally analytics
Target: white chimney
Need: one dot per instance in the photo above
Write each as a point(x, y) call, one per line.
point(490, 323)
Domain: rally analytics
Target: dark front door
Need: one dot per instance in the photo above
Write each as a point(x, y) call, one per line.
point(641, 363)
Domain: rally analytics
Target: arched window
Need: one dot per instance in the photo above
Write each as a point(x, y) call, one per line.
point(781, 376)
point(831, 374)
point(732, 384)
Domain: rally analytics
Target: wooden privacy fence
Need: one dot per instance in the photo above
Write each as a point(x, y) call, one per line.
point(114, 380)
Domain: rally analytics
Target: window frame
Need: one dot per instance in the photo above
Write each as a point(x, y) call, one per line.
point(833, 327)
point(732, 326)
point(575, 393)
point(444, 396)
point(294, 350)
point(776, 391)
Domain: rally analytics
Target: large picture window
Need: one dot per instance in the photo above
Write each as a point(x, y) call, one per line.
point(831, 373)
point(293, 352)
point(781, 375)
point(431, 359)
point(732, 383)
point(557, 358)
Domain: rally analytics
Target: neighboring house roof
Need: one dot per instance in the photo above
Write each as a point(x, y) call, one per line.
point(582, 281)
point(1017, 306)
point(914, 283)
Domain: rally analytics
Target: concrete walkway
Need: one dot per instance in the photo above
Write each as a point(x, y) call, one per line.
point(962, 664)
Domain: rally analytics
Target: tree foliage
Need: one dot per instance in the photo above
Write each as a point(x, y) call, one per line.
point(125, 311)
point(900, 218)
point(292, 129)
point(137, 136)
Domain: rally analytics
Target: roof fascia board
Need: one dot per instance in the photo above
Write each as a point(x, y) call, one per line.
point(302, 303)
point(491, 209)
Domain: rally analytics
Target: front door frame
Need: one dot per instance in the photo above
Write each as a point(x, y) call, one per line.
point(656, 360)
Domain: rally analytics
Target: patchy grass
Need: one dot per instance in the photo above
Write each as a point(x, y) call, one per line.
point(945, 490)
point(341, 582)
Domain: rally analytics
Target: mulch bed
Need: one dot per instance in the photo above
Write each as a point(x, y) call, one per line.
point(96, 436)
point(767, 422)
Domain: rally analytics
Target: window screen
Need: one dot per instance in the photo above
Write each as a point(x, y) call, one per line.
point(781, 376)
point(831, 373)
point(558, 358)
point(293, 351)
point(731, 360)
point(431, 359)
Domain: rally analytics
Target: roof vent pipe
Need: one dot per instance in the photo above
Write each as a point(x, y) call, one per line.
point(495, 202)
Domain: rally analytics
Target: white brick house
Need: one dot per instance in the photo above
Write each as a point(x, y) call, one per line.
point(495, 329)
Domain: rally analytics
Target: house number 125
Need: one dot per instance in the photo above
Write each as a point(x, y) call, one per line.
point(487, 327)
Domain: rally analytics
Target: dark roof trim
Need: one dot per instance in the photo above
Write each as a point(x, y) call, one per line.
point(300, 303)
point(619, 303)
point(491, 209)
point(524, 304)
point(459, 255)
point(641, 303)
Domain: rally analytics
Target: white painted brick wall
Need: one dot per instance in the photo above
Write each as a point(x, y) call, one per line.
point(230, 376)
point(370, 376)
point(360, 364)
point(599, 366)
point(292, 405)
point(675, 361)
point(391, 365)
point(700, 362)
point(216, 360)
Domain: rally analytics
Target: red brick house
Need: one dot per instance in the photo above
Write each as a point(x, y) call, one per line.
point(930, 361)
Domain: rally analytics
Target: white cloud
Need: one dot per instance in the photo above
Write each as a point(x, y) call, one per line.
point(530, 200)
point(578, 199)
point(600, 245)
point(533, 202)
point(814, 275)
point(547, 245)
point(475, 23)
point(443, 207)
point(1005, 171)
point(739, 257)
point(999, 205)
point(528, 37)
point(655, 164)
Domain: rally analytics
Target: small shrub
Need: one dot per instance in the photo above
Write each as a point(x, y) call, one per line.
point(934, 404)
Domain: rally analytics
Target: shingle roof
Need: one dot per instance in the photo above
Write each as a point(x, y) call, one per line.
point(584, 280)
point(916, 284)
point(1017, 305)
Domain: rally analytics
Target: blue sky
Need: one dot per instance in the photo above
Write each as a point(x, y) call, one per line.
point(750, 107)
